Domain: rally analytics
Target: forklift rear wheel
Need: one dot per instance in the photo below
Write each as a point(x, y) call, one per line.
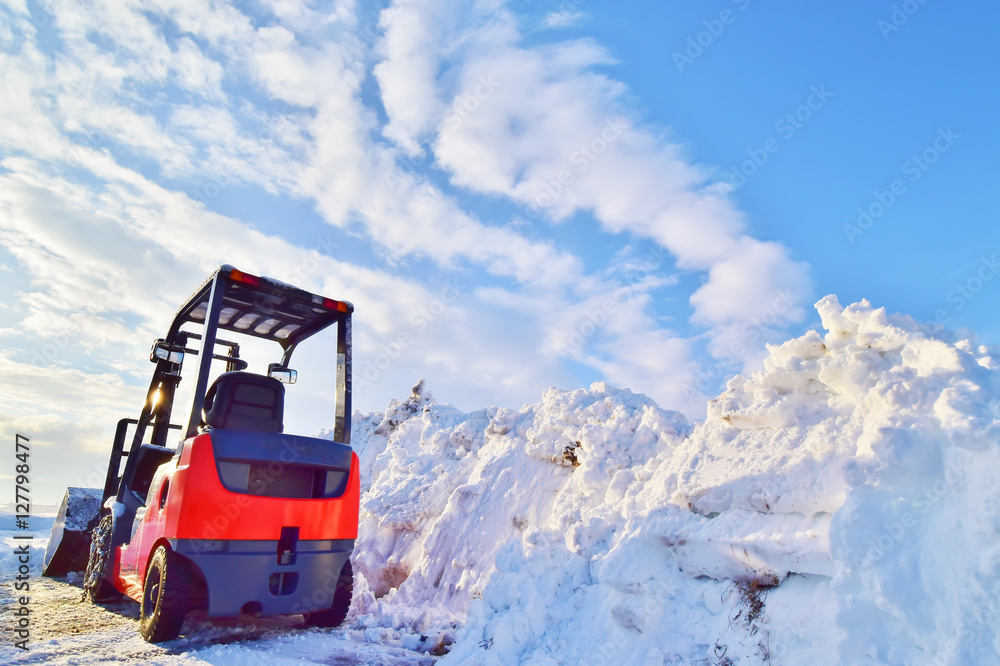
point(335, 615)
point(166, 596)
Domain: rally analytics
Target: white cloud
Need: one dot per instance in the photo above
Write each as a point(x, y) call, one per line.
point(33, 390)
point(408, 72)
point(353, 179)
point(196, 72)
point(302, 17)
point(83, 92)
point(471, 344)
point(551, 133)
point(297, 74)
point(222, 25)
point(24, 122)
point(562, 19)
point(501, 120)
point(733, 302)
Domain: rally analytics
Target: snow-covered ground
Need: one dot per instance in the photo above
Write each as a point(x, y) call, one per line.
point(67, 630)
point(841, 506)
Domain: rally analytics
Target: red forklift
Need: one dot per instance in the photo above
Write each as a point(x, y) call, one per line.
point(240, 517)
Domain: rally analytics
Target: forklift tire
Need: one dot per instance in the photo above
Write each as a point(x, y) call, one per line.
point(96, 587)
point(335, 615)
point(166, 596)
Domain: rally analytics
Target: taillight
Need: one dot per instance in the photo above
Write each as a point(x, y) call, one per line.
point(246, 278)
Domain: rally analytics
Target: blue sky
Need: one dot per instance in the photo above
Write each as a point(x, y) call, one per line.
point(514, 195)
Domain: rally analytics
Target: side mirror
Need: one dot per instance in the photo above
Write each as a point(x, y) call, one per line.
point(282, 374)
point(163, 351)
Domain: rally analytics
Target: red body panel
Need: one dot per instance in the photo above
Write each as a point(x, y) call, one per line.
point(198, 506)
point(133, 557)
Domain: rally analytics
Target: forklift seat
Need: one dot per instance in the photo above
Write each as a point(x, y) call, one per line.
point(245, 401)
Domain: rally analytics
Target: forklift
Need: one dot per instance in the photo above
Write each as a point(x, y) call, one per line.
point(240, 517)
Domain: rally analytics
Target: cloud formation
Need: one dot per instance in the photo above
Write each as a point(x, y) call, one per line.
point(540, 126)
point(443, 156)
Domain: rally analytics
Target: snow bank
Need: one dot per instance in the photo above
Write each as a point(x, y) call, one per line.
point(839, 506)
point(39, 524)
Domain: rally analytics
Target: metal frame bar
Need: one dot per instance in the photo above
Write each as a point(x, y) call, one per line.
point(117, 452)
point(342, 423)
point(215, 298)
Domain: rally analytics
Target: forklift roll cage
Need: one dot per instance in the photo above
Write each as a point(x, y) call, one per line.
point(237, 302)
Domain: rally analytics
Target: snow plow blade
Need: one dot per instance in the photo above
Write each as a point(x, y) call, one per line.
point(69, 542)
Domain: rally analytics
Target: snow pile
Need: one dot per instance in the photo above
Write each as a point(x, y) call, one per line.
point(38, 526)
point(449, 489)
point(840, 506)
